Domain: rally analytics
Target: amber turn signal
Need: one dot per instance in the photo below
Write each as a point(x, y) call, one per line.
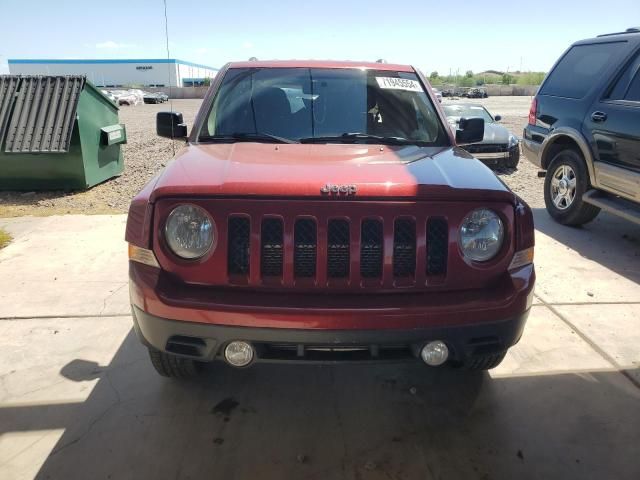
point(142, 255)
point(521, 258)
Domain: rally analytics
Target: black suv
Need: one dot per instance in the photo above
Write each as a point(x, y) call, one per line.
point(584, 130)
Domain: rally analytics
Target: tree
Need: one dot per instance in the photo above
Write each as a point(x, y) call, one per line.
point(433, 75)
point(507, 79)
point(469, 74)
point(466, 81)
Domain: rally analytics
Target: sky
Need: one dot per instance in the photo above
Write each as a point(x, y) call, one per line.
point(441, 36)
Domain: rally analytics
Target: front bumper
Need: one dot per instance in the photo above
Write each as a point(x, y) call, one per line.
point(197, 321)
point(491, 158)
point(491, 155)
point(206, 342)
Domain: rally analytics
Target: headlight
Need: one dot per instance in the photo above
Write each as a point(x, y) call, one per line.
point(189, 231)
point(513, 140)
point(481, 235)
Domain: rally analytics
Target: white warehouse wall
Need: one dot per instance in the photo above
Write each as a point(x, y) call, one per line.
point(191, 72)
point(145, 72)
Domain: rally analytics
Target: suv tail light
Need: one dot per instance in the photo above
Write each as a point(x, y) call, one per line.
point(533, 111)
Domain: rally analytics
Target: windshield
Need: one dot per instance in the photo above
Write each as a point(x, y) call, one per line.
point(323, 106)
point(456, 112)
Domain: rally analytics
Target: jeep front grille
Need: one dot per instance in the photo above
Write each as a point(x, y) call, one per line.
point(238, 251)
point(338, 246)
point(437, 246)
point(271, 238)
point(404, 248)
point(354, 249)
point(371, 249)
point(305, 246)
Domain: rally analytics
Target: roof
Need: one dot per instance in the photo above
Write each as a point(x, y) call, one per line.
point(321, 64)
point(629, 34)
point(74, 61)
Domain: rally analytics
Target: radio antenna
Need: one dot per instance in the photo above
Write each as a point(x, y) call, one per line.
point(166, 35)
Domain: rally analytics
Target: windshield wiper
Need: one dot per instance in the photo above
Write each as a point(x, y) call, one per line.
point(354, 136)
point(246, 137)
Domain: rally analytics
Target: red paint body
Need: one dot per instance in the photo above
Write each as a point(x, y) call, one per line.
point(265, 180)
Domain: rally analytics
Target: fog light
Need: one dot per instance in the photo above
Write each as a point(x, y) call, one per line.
point(435, 353)
point(238, 353)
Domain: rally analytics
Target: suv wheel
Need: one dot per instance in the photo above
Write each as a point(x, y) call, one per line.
point(169, 365)
point(565, 183)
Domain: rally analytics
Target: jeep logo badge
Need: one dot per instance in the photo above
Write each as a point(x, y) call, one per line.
point(332, 189)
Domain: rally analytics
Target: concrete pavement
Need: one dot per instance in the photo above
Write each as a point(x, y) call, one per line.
point(79, 399)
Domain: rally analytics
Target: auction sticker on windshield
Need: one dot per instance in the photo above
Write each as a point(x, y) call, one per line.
point(399, 84)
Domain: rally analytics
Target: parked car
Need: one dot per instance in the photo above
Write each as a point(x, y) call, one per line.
point(138, 93)
point(499, 147)
point(584, 130)
point(128, 98)
point(152, 98)
point(476, 93)
point(117, 94)
point(109, 95)
point(438, 94)
point(322, 212)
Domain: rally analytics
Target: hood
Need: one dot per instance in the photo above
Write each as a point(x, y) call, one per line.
point(495, 133)
point(301, 170)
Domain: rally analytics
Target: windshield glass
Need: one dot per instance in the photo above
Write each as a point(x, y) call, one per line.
point(323, 105)
point(456, 112)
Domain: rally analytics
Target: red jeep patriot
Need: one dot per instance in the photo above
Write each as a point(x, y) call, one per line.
point(322, 212)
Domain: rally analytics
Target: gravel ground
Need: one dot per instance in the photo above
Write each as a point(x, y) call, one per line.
point(145, 154)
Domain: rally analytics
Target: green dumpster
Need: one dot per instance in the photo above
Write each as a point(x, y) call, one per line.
point(57, 132)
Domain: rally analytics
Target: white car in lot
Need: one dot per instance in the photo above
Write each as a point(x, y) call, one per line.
point(124, 97)
point(437, 93)
point(109, 95)
point(138, 93)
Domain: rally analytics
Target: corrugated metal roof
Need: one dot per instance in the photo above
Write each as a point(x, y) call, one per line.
point(44, 114)
point(8, 87)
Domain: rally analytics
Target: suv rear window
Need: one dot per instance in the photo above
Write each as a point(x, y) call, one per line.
point(580, 69)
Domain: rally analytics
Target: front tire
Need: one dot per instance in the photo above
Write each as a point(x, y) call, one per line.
point(173, 366)
point(566, 182)
point(514, 158)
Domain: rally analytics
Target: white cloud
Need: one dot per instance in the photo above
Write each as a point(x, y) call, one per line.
point(202, 50)
point(111, 45)
point(247, 44)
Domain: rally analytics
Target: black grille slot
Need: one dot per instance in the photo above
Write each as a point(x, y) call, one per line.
point(338, 244)
point(404, 248)
point(305, 242)
point(238, 246)
point(437, 246)
point(371, 249)
point(271, 247)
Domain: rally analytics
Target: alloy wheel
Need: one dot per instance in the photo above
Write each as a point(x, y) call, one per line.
point(563, 187)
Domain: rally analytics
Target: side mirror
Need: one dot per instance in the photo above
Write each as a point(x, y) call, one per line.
point(470, 130)
point(171, 125)
point(497, 118)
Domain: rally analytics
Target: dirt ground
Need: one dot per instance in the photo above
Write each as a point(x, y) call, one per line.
point(145, 154)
